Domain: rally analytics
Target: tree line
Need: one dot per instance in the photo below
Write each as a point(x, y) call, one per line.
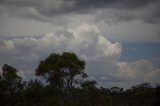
point(67, 85)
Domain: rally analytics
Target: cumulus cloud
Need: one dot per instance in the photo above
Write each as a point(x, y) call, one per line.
point(136, 70)
point(85, 40)
point(101, 55)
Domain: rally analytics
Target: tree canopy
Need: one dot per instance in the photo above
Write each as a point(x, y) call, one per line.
point(64, 72)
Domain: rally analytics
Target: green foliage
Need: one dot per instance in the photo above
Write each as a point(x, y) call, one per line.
point(64, 72)
point(10, 85)
point(10, 80)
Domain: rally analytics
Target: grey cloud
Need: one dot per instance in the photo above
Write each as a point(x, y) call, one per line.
point(121, 4)
point(42, 10)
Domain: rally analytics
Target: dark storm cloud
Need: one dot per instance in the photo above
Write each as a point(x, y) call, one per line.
point(128, 4)
point(75, 5)
point(43, 9)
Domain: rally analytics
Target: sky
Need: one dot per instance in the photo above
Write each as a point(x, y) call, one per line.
point(118, 39)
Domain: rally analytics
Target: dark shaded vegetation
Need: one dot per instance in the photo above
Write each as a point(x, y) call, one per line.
point(67, 86)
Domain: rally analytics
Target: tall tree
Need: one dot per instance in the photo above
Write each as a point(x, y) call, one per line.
point(10, 85)
point(10, 78)
point(62, 70)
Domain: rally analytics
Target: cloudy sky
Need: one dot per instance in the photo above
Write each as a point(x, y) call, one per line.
point(118, 39)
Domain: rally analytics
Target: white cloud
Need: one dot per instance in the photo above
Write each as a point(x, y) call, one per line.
point(100, 54)
point(84, 40)
point(138, 71)
point(153, 76)
point(6, 44)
